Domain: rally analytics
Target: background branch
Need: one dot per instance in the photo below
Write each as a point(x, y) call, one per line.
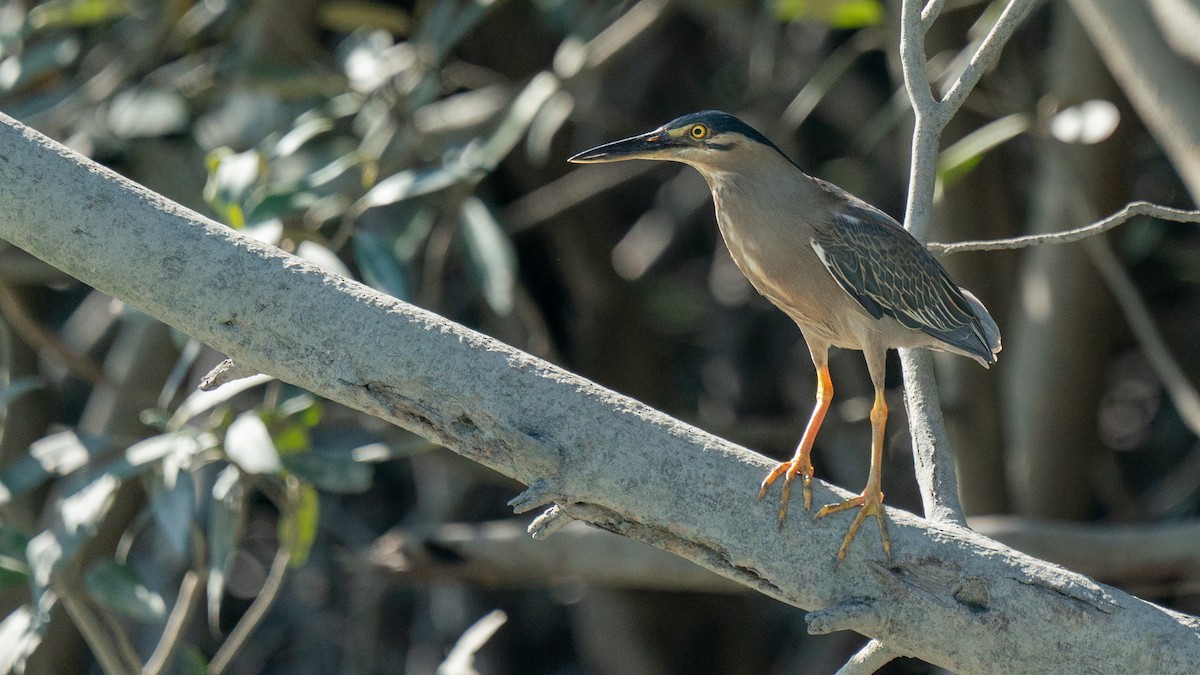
point(1075, 234)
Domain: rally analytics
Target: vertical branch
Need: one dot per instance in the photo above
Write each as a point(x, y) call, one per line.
point(933, 458)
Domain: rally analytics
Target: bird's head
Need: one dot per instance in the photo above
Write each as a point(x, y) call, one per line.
point(709, 140)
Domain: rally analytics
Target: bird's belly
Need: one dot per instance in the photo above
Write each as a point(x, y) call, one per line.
point(792, 277)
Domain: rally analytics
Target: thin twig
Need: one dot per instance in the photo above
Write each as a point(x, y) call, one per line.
point(119, 635)
point(254, 615)
point(1130, 211)
point(873, 656)
point(190, 590)
point(461, 659)
point(168, 644)
point(284, 500)
point(111, 659)
point(38, 338)
point(985, 57)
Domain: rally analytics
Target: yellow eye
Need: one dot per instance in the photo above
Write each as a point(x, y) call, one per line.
point(698, 132)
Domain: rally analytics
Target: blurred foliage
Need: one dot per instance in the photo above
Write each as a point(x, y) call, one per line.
point(418, 148)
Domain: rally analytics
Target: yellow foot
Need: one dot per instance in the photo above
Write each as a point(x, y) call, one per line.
point(871, 503)
point(804, 468)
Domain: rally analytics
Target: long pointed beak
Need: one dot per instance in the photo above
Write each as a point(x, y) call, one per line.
point(656, 144)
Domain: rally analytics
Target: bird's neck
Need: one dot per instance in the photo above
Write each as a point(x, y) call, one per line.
point(762, 188)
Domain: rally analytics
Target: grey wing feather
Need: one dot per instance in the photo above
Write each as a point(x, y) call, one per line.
point(888, 272)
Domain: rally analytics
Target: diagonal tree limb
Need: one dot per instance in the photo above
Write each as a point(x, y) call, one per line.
point(606, 458)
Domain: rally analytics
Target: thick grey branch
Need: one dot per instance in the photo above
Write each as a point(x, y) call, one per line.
point(637, 471)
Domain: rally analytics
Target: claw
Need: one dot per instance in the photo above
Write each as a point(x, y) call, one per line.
point(870, 503)
point(789, 470)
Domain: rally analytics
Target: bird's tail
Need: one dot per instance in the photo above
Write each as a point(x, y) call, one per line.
point(989, 331)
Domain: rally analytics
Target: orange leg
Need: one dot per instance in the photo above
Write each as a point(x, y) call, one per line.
point(801, 462)
point(871, 499)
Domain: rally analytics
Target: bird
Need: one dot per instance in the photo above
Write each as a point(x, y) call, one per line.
point(845, 272)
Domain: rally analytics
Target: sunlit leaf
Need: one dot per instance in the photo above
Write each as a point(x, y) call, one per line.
point(325, 176)
point(546, 124)
point(957, 160)
point(411, 183)
point(841, 14)
point(117, 587)
point(20, 634)
point(82, 510)
point(299, 530)
point(231, 179)
point(156, 448)
point(37, 61)
point(200, 401)
point(487, 154)
point(248, 444)
point(43, 553)
point(1087, 123)
point(324, 258)
point(373, 59)
point(147, 113)
point(302, 133)
point(493, 258)
point(54, 455)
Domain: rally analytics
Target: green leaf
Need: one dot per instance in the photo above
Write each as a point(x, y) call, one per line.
point(378, 264)
point(191, 661)
point(174, 510)
point(840, 14)
point(14, 568)
point(232, 177)
point(331, 473)
point(117, 587)
point(248, 443)
point(76, 13)
point(965, 154)
point(493, 258)
point(225, 522)
point(299, 530)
